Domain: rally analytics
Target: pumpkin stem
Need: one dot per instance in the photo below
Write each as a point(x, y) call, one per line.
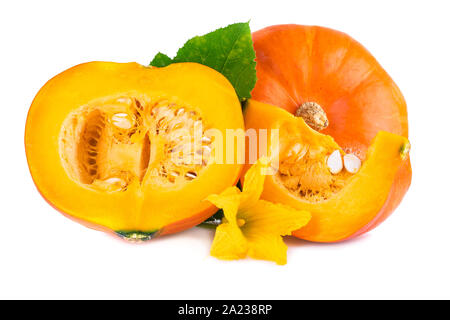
point(404, 150)
point(137, 236)
point(313, 114)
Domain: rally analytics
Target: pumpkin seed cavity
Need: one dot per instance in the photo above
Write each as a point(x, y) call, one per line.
point(313, 171)
point(109, 143)
point(312, 168)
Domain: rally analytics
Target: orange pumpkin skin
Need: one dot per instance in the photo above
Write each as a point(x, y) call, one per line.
point(297, 64)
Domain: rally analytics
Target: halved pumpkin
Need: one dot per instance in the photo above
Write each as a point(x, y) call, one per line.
point(341, 203)
point(123, 147)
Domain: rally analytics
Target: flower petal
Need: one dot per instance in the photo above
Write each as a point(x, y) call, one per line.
point(267, 247)
point(265, 223)
point(276, 219)
point(229, 201)
point(229, 243)
point(254, 182)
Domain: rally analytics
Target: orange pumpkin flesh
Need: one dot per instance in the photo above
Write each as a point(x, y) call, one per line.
point(106, 145)
point(298, 64)
point(340, 204)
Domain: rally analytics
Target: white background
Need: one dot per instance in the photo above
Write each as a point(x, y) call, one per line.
point(45, 255)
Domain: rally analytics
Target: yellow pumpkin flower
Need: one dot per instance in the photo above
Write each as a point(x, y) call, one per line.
point(253, 227)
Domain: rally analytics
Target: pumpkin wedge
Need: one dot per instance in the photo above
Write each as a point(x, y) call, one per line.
point(125, 148)
point(341, 202)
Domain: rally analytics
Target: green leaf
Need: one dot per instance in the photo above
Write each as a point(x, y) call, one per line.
point(161, 60)
point(228, 50)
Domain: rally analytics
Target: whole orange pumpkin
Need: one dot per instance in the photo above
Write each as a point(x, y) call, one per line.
point(298, 64)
